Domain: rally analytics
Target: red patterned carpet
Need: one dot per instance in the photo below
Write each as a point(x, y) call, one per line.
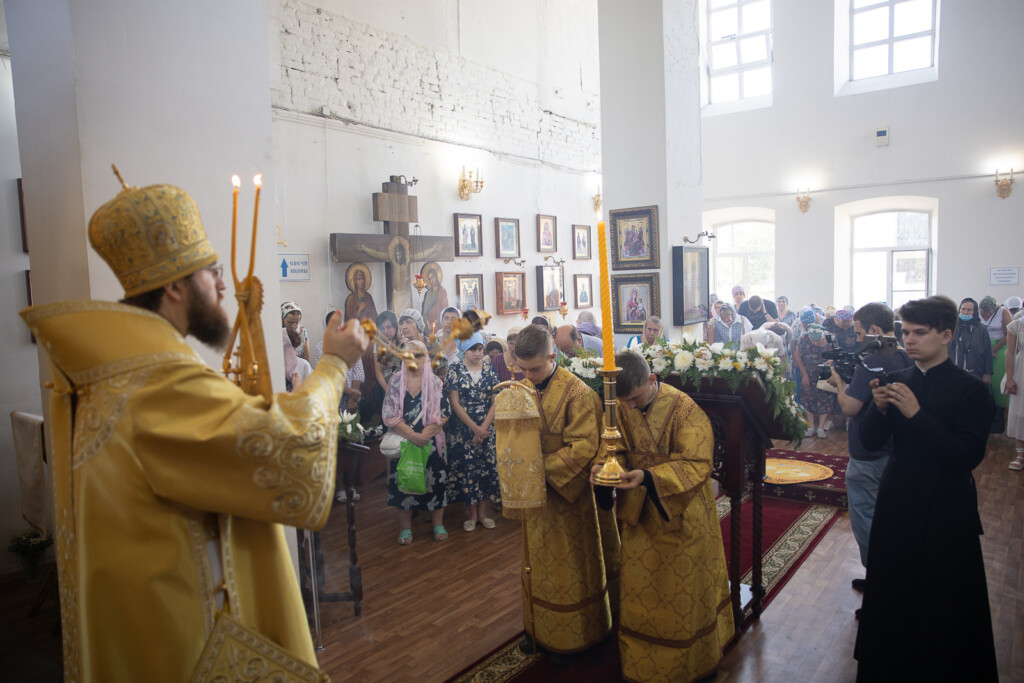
point(791, 531)
point(831, 491)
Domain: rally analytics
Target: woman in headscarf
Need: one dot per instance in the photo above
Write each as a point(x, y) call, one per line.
point(495, 347)
point(995, 319)
point(818, 404)
point(417, 409)
point(729, 328)
point(354, 378)
point(505, 364)
point(295, 369)
point(716, 316)
point(448, 343)
point(472, 469)
point(291, 317)
point(970, 349)
point(841, 327)
point(1014, 382)
point(383, 368)
point(805, 318)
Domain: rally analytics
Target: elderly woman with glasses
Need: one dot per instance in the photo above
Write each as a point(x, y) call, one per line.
point(416, 408)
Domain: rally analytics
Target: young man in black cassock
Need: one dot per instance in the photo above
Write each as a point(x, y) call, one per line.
point(926, 614)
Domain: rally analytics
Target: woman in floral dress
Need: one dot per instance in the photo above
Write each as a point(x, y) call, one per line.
point(473, 473)
point(818, 404)
point(417, 408)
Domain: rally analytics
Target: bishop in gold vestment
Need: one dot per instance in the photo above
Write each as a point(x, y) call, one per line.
point(675, 614)
point(566, 603)
point(171, 484)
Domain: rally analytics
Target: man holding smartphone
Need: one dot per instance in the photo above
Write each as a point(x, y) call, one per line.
point(926, 612)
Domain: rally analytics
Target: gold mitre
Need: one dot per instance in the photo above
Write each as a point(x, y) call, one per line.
point(150, 236)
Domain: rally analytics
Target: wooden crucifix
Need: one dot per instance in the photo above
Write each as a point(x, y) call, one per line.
point(396, 247)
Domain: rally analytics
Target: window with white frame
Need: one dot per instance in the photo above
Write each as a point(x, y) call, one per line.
point(745, 255)
point(891, 36)
point(890, 259)
point(739, 49)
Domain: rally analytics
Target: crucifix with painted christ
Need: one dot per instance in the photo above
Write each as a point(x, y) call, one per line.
point(396, 247)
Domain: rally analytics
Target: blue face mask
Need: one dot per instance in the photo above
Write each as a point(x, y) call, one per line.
point(966, 318)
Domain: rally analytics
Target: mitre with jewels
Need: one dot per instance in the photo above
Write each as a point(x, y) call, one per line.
point(150, 236)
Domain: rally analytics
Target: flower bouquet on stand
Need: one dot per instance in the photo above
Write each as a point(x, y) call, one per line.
point(30, 547)
point(349, 428)
point(696, 362)
point(586, 367)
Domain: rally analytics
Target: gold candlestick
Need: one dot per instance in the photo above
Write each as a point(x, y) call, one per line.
point(611, 470)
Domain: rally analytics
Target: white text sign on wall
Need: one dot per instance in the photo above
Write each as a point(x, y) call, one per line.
point(294, 267)
point(1004, 275)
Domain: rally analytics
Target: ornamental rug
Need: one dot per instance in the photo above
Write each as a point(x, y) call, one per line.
point(831, 491)
point(791, 530)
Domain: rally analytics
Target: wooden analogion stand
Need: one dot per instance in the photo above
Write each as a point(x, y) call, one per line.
point(743, 429)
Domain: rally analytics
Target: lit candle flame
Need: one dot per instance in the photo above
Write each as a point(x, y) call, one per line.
point(236, 181)
point(257, 179)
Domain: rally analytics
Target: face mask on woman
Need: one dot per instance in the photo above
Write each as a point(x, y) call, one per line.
point(966, 318)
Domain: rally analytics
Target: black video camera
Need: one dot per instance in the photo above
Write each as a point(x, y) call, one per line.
point(845, 362)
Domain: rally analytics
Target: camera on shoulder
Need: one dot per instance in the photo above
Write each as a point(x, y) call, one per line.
point(845, 362)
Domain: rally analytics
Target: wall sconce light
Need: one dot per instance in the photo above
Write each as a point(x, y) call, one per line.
point(706, 233)
point(563, 308)
point(419, 284)
point(519, 262)
point(555, 260)
point(803, 200)
point(597, 200)
point(525, 313)
point(1004, 185)
point(467, 186)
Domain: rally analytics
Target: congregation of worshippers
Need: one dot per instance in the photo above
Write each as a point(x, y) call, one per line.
point(470, 369)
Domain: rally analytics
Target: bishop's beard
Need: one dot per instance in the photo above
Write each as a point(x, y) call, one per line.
point(206, 322)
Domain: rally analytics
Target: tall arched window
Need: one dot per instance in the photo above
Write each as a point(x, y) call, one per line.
point(745, 255)
point(890, 257)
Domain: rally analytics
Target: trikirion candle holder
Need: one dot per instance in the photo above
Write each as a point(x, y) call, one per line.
point(611, 471)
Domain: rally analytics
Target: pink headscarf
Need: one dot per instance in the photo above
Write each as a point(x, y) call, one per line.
point(291, 359)
point(430, 398)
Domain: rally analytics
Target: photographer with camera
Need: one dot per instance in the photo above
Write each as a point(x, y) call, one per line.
point(864, 472)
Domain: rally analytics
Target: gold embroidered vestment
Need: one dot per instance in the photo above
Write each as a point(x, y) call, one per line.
point(566, 544)
point(162, 470)
point(675, 614)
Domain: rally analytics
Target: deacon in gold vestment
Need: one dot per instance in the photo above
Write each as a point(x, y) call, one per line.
point(566, 603)
point(675, 614)
point(170, 483)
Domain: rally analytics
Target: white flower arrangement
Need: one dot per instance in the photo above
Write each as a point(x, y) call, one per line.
point(349, 428)
point(696, 362)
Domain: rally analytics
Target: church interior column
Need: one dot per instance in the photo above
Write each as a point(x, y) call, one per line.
point(650, 120)
point(172, 93)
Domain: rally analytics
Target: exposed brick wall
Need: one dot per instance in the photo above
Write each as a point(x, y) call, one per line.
point(382, 79)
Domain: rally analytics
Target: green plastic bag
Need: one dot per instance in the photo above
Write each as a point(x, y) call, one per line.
point(412, 467)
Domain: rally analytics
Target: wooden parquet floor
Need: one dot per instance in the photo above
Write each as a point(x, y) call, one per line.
point(431, 609)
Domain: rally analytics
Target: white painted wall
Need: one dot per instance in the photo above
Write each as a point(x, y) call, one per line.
point(167, 91)
point(327, 173)
point(328, 63)
point(510, 88)
point(651, 120)
point(18, 363)
point(966, 123)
